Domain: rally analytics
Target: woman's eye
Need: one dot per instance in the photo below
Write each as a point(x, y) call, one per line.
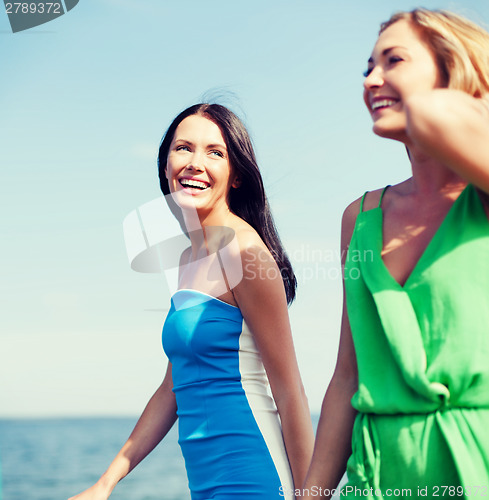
point(395, 59)
point(217, 153)
point(182, 148)
point(390, 62)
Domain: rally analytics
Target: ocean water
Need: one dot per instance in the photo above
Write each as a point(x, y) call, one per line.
point(53, 459)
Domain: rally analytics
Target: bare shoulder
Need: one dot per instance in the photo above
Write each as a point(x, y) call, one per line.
point(246, 258)
point(259, 266)
point(370, 200)
point(261, 287)
point(350, 214)
point(248, 238)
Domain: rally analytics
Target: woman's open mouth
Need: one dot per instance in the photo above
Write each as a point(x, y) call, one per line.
point(194, 184)
point(383, 103)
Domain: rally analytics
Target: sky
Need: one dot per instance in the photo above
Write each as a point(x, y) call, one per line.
point(85, 100)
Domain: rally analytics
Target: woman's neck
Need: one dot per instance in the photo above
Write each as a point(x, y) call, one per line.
point(430, 176)
point(199, 225)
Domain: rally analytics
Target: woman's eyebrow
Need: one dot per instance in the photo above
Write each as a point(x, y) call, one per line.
point(208, 146)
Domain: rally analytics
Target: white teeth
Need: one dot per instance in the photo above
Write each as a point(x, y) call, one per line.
point(384, 103)
point(193, 184)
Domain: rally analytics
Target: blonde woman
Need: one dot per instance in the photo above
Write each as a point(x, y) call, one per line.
point(410, 392)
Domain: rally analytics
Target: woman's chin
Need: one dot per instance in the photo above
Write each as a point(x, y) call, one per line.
point(184, 200)
point(394, 133)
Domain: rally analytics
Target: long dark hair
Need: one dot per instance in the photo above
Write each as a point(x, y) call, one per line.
point(247, 201)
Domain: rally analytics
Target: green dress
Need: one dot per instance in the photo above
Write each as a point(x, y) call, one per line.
point(423, 361)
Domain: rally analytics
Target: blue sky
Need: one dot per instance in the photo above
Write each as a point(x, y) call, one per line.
point(85, 100)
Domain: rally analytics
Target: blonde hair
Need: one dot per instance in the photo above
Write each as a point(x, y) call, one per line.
point(461, 47)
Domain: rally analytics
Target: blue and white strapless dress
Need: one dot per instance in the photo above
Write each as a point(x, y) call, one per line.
point(229, 428)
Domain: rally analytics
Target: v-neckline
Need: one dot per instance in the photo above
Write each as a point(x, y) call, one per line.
point(427, 248)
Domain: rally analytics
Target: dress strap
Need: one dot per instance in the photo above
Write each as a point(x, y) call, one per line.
point(380, 201)
point(363, 199)
point(382, 194)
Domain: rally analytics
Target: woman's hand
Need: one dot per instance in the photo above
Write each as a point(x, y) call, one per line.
point(96, 492)
point(156, 420)
point(452, 127)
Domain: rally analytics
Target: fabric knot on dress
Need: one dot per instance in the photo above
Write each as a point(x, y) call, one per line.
point(443, 394)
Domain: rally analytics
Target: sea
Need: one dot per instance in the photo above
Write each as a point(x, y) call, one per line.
point(54, 459)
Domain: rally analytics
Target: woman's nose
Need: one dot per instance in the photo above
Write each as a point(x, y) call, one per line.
point(197, 162)
point(375, 78)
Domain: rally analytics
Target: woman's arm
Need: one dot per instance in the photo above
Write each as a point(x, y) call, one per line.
point(153, 425)
point(453, 127)
point(261, 299)
point(333, 438)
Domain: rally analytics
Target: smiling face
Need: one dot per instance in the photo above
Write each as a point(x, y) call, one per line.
point(400, 66)
point(198, 170)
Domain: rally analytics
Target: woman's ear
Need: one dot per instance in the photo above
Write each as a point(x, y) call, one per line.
point(166, 172)
point(236, 183)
